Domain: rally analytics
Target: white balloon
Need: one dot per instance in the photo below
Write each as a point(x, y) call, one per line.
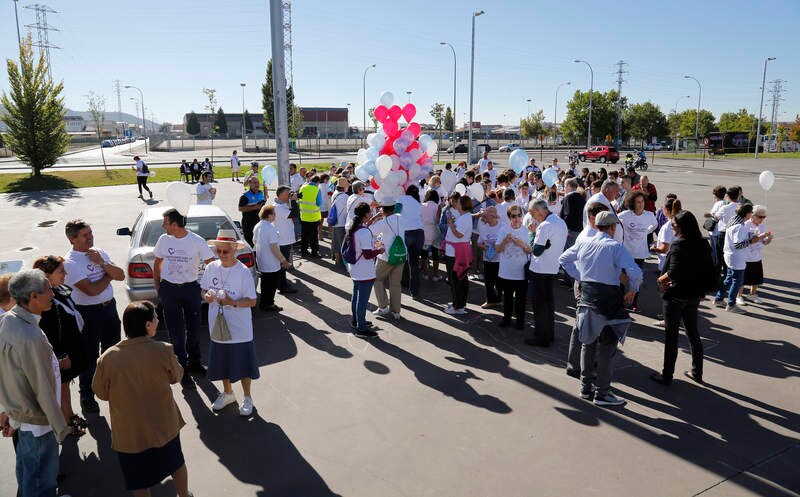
point(395, 162)
point(179, 195)
point(476, 192)
point(384, 165)
point(416, 154)
point(395, 178)
point(387, 99)
point(424, 140)
point(766, 179)
point(380, 195)
point(372, 153)
point(371, 138)
point(152, 174)
point(461, 189)
point(431, 149)
point(361, 156)
point(449, 180)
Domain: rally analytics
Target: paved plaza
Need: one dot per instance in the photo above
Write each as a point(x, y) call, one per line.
point(442, 406)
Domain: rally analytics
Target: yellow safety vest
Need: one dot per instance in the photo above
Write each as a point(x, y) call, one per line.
point(309, 210)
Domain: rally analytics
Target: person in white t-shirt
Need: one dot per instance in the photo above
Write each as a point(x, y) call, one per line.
point(90, 272)
point(142, 173)
point(385, 227)
point(234, 166)
point(286, 234)
point(671, 207)
point(205, 192)
point(411, 214)
point(178, 255)
point(719, 192)
point(548, 244)
point(513, 251)
point(457, 243)
point(489, 228)
point(339, 204)
point(359, 196)
point(362, 271)
point(637, 223)
point(228, 288)
point(754, 269)
point(269, 258)
point(483, 164)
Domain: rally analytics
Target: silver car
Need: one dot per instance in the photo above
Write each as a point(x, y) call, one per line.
point(205, 220)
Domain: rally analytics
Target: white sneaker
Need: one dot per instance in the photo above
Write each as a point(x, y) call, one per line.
point(754, 299)
point(609, 400)
point(223, 400)
point(735, 309)
point(247, 407)
point(396, 316)
point(741, 301)
point(719, 303)
point(381, 311)
point(460, 311)
point(450, 310)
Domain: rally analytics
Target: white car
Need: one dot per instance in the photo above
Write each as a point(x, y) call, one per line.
point(205, 220)
point(510, 147)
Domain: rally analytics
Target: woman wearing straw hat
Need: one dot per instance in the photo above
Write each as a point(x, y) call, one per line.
point(230, 292)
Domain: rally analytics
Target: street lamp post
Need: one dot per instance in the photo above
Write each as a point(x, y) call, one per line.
point(697, 116)
point(144, 127)
point(591, 93)
point(761, 106)
point(16, 16)
point(555, 113)
point(471, 86)
point(364, 87)
point(409, 95)
point(244, 143)
point(527, 116)
point(454, 96)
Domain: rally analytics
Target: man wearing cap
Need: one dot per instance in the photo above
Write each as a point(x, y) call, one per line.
point(385, 227)
point(551, 236)
point(178, 254)
point(602, 320)
point(90, 272)
point(339, 201)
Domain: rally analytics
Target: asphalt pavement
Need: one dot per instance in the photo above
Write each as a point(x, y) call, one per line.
point(442, 406)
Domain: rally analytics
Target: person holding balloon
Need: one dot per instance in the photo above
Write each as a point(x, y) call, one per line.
point(205, 192)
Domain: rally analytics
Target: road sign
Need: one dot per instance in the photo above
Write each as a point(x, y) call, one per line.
point(128, 132)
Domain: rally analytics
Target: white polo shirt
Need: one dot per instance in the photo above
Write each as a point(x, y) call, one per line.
point(554, 229)
point(283, 224)
point(264, 235)
point(79, 268)
point(181, 257)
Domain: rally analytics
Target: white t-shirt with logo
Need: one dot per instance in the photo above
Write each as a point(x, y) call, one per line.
point(237, 282)
point(204, 196)
point(79, 268)
point(264, 235)
point(181, 256)
point(363, 269)
point(283, 224)
point(754, 249)
point(636, 229)
point(513, 258)
point(489, 235)
point(554, 229)
point(411, 213)
point(234, 163)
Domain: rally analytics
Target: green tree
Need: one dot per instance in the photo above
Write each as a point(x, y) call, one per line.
point(437, 113)
point(644, 121)
point(220, 123)
point(371, 114)
point(248, 122)
point(449, 122)
point(533, 125)
point(794, 131)
point(34, 112)
point(97, 108)
point(211, 95)
point(686, 123)
point(193, 124)
point(604, 116)
point(738, 121)
point(293, 114)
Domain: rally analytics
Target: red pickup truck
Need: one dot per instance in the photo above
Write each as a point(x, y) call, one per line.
point(600, 153)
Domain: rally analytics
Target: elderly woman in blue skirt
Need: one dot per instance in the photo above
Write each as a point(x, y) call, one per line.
point(230, 291)
point(134, 376)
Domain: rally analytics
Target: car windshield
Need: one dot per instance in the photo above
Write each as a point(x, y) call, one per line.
point(207, 227)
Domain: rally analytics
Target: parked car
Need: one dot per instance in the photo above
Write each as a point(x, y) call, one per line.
point(509, 147)
point(600, 153)
point(460, 148)
point(653, 146)
point(486, 146)
point(107, 143)
point(205, 220)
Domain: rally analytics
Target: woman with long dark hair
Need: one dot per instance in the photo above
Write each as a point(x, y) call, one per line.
point(362, 271)
point(687, 268)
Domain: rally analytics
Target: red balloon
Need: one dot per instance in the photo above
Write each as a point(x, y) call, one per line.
point(390, 127)
point(395, 112)
point(422, 159)
point(388, 149)
point(409, 111)
point(415, 129)
point(381, 113)
point(412, 146)
point(374, 185)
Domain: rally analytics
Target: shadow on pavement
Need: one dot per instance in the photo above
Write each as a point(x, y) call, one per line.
point(42, 191)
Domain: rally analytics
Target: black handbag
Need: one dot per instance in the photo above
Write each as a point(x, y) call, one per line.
point(710, 223)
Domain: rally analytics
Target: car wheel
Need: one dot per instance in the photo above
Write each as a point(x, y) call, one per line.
point(582, 158)
point(603, 159)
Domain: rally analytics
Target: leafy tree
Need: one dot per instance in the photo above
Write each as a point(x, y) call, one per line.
point(794, 131)
point(449, 122)
point(248, 122)
point(34, 112)
point(2, 143)
point(645, 120)
point(220, 123)
point(533, 125)
point(686, 123)
point(371, 114)
point(293, 114)
point(193, 124)
point(437, 113)
point(604, 116)
point(165, 127)
point(738, 121)
point(97, 108)
point(211, 95)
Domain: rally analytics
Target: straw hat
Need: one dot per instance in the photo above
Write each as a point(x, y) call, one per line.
point(225, 237)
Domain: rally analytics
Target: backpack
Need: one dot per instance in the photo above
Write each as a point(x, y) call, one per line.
point(145, 169)
point(397, 250)
point(349, 247)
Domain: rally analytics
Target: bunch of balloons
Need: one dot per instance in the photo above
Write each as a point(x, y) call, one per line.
point(396, 158)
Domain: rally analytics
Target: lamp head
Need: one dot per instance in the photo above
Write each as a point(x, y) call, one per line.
point(479, 13)
point(770, 58)
point(577, 60)
point(127, 86)
point(442, 43)
point(243, 84)
point(686, 76)
point(569, 82)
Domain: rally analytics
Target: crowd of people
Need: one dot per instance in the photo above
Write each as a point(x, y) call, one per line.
point(514, 235)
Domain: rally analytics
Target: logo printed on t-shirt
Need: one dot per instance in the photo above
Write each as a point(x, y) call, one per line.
point(215, 281)
point(90, 267)
point(171, 251)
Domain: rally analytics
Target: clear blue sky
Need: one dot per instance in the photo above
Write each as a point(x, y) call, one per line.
point(524, 49)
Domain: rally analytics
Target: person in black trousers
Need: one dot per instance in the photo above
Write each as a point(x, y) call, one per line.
point(687, 270)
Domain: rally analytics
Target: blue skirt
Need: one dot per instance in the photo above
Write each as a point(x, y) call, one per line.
point(232, 361)
point(149, 468)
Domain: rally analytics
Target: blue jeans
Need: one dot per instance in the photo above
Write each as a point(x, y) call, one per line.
point(734, 279)
point(37, 464)
point(359, 301)
point(101, 331)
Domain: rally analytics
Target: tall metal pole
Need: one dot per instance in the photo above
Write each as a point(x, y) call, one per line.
point(555, 113)
point(471, 86)
point(364, 94)
point(697, 116)
point(761, 106)
point(591, 93)
point(16, 16)
point(144, 125)
point(454, 96)
point(409, 92)
point(279, 90)
point(244, 144)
